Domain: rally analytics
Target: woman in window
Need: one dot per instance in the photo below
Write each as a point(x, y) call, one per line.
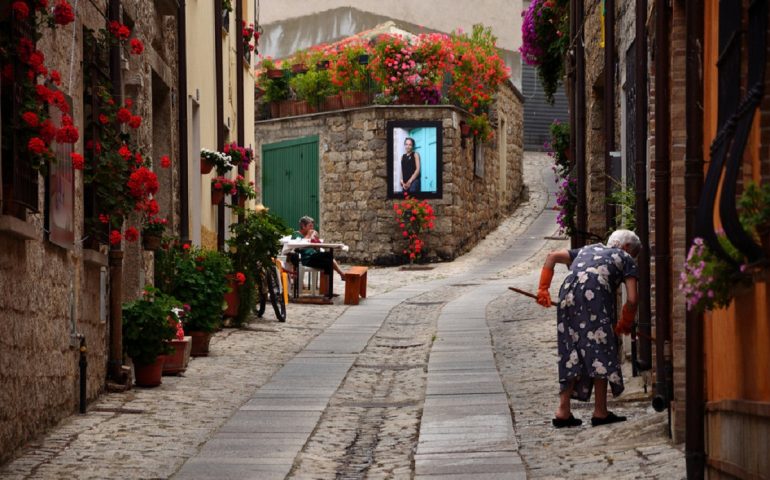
point(410, 168)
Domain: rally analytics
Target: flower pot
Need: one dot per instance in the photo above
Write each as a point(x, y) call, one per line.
point(151, 242)
point(232, 299)
point(275, 73)
point(149, 375)
point(351, 99)
point(332, 102)
point(286, 108)
point(299, 68)
point(241, 201)
point(217, 196)
point(176, 362)
point(200, 343)
point(206, 166)
point(465, 130)
point(275, 109)
point(409, 99)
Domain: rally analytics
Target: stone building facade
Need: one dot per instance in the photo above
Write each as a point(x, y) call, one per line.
point(354, 208)
point(51, 296)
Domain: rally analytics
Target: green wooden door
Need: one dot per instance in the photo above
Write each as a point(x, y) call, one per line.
point(290, 179)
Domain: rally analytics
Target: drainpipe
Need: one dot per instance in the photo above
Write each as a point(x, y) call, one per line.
point(609, 106)
point(695, 453)
point(116, 254)
point(580, 127)
point(664, 370)
point(220, 108)
point(644, 361)
point(181, 46)
point(240, 102)
point(572, 78)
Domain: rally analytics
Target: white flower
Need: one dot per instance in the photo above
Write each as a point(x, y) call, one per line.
point(569, 300)
point(589, 295)
point(575, 335)
point(560, 327)
point(614, 377)
point(598, 336)
point(617, 260)
point(573, 359)
point(599, 367)
point(582, 277)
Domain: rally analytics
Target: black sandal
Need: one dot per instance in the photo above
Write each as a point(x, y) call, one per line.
point(610, 418)
point(566, 422)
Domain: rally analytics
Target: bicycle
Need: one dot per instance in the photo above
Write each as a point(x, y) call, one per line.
point(273, 289)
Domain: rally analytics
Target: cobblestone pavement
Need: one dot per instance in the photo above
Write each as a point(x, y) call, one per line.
point(371, 425)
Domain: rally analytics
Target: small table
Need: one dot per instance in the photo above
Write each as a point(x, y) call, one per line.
point(303, 244)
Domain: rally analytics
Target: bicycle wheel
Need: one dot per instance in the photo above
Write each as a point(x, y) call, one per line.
point(275, 293)
point(262, 294)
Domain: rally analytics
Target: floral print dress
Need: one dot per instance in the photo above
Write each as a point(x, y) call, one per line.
point(586, 313)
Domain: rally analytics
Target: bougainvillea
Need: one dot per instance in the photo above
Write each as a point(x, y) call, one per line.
point(545, 40)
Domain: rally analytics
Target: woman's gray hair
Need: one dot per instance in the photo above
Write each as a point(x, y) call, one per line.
point(305, 221)
point(619, 238)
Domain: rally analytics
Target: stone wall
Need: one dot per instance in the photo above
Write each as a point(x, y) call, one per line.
point(49, 293)
point(357, 212)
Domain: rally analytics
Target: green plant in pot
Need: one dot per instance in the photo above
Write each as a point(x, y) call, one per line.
point(197, 277)
point(148, 324)
point(254, 242)
point(313, 86)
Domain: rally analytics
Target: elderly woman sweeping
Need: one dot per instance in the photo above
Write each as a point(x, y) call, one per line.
point(587, 325)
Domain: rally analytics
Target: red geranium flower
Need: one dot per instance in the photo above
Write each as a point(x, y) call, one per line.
point(124, 116)
point(37, 145)
point(103, 119)
point(20, 10)
point(240, 278)
point(124, 152)
point(135, 121)
point(115, 237)
point(67, 134)
point(165, 162)
point(132, 234)
point(104, 218)
point(55, 77)
point(62, 13)
point(77, 161)
point(30, 118)
point(137, 47)
point(47, 131)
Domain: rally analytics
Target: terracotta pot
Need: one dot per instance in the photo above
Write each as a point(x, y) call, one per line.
point(206, 166)
point(275, 73)
point(151, 242)
point(200, 343)
point(149, 375)
point(299, 68)
point(352, 99)
point(217, 196)
point(176, 362)
point(409, 99)
point(232, 299)
point(286, 108)
point(275, 109)
point(332, 102)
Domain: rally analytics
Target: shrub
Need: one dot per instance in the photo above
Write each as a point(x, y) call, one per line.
point(148, 324)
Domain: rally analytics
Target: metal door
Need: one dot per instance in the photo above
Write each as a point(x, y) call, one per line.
point(290, 179)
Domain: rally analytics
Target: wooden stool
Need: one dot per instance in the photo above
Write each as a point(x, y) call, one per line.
point(355, 284)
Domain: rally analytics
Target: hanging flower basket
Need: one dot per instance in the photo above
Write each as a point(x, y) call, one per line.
point(299, 68)
point(275, 73)
point(217, 196)
point(206, 166)
point(150, 242)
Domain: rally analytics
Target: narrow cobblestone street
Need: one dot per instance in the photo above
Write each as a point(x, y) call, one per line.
point(382, 390)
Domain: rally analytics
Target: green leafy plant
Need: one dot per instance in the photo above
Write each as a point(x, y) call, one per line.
point(754, 206)
point(312, 86)
point(148, 324)
point(707, 280)
point(253, 243)
point(566, 198)
point(477, 71)
point(481, 128)
point(198, 278)
point(623, 198)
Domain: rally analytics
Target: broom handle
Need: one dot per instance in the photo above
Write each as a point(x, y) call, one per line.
point(523, 292)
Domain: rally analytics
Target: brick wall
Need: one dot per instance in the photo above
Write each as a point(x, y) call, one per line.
point(353, 145)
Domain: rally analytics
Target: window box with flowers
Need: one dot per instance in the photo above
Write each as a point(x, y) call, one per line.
point(414, 217)
point(477, 70)
point(211, 159)
point(244, 189)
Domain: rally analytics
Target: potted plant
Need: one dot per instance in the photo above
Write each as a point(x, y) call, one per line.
point(212, 158)
point(414, 217)
point(545, 39)
point(312, 87)
point(481, 128)
point(244, 189)
point(181, 346)
point(254, 241)
point(240, 156)
point(148, 325)
point(152, 232)
point(221, 186)
point(197, 277)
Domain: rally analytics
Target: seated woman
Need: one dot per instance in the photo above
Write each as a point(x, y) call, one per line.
point(313, 257)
